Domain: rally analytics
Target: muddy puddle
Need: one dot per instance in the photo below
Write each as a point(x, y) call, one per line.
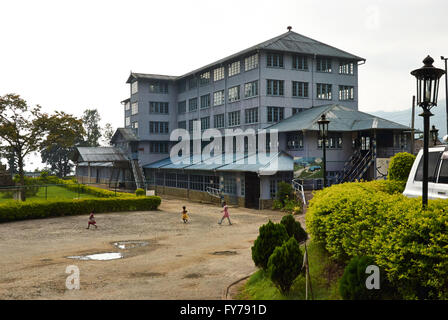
point(99, 256)
point(130, 244)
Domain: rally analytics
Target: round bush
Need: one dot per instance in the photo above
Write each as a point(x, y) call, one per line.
point(285, 192)
point(271, 235)
point(400, 166)
point(284, 264)
point(293, 228)
point(140, 192)
point(352, 285)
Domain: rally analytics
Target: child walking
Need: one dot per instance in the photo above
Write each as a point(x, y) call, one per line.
point(184, 215)
point(226, 213)
point(91, 221)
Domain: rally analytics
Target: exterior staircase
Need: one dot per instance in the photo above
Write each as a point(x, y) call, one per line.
point(139, 176)
point(356, 166)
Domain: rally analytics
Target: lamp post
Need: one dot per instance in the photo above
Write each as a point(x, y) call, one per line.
point(434, 134)
point(427, 90)
point(323, 132)
point(446, 91)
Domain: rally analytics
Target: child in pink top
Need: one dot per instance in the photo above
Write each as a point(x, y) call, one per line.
point(91, 221)
point(226, 213)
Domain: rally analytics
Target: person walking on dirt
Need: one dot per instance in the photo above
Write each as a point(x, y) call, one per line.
point(226, 213)
point(184, 215)
point(91, 221)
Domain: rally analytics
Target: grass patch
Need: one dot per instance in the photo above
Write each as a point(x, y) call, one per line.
point(53, 192)
point(324, 274)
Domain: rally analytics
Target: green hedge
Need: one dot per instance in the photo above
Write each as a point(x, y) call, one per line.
point(374, 219)
point(35, 209)
point(400, 166)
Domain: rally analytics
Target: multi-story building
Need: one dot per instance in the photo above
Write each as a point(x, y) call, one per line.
point(284, 83)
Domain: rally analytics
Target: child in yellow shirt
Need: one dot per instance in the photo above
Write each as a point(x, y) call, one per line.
point(184, 215)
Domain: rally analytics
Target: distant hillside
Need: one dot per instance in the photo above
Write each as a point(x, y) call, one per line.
point(404, 117)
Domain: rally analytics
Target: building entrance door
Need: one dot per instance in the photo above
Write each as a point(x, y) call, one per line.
point(252, 190)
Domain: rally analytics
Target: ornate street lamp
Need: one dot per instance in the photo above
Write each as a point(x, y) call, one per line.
point(323, 134)
point(434, 134)
point(427, 90)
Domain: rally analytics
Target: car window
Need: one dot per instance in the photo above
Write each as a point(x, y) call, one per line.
point(433, 162)
point(443, 177)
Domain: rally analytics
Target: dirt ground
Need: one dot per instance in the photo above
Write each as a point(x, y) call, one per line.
point(197, 260)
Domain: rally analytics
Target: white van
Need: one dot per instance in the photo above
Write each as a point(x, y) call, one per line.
point(437, 174)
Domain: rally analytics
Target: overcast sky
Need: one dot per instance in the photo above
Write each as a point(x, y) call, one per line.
point(75, 55)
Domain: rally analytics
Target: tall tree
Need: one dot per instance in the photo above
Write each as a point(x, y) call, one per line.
point(108, 133)
point(64, 133)
point(22, 129)
point(91, 119)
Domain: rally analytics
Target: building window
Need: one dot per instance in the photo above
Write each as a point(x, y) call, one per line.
point(251, 62)
point(346, 93)
point(275, 114)
point(274, 60)
point(182, 86)
point(345, 67)
point(127, 106)
point(158, 87)
point(251, 115)
point(205, 123)
point(323, 65)
point(234, 94)
point(191, 124)
point(251, 89)
point(134, 108)
point(158, 147)
point(334, 141)
point(234, 118)
point(300, 89)
point(205, 101)
point(218, 74)
point(323, 91)
point(300, 62)
point(134, 87)
point(274, 87)
point(296, 110)
point(295, 141)
point(158, 127)
point(234, 68)
point(158, 107)
point(218, 98)
point(182, 125)
point(229, 185)
point(192, 83)
point(218, 120)
point(182, 107)
point(193, 104)
point(127, 121)
point(204, 78)
point(135, 127)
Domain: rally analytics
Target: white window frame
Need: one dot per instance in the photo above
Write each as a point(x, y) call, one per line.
point(218, 74)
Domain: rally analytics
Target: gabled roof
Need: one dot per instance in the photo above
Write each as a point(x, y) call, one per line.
point(341, 119)
point(287, 42)
point(126, 133)
point(98, 154)
point(135, 76)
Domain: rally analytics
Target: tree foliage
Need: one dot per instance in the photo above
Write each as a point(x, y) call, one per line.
point(22, 129)
point(294, 228)
point(91, 122)
point(400, 166)
point(64, 133)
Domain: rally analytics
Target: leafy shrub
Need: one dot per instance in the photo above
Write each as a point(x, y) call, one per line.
point(363, 219)
point(292, 206)
point(284, 264)
point(285, 192)
point(352, 285)
point(277, 205)
point(270, 236)
point(293, 228)
point(35, 209)
point(140, 192)
point(400, 166)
